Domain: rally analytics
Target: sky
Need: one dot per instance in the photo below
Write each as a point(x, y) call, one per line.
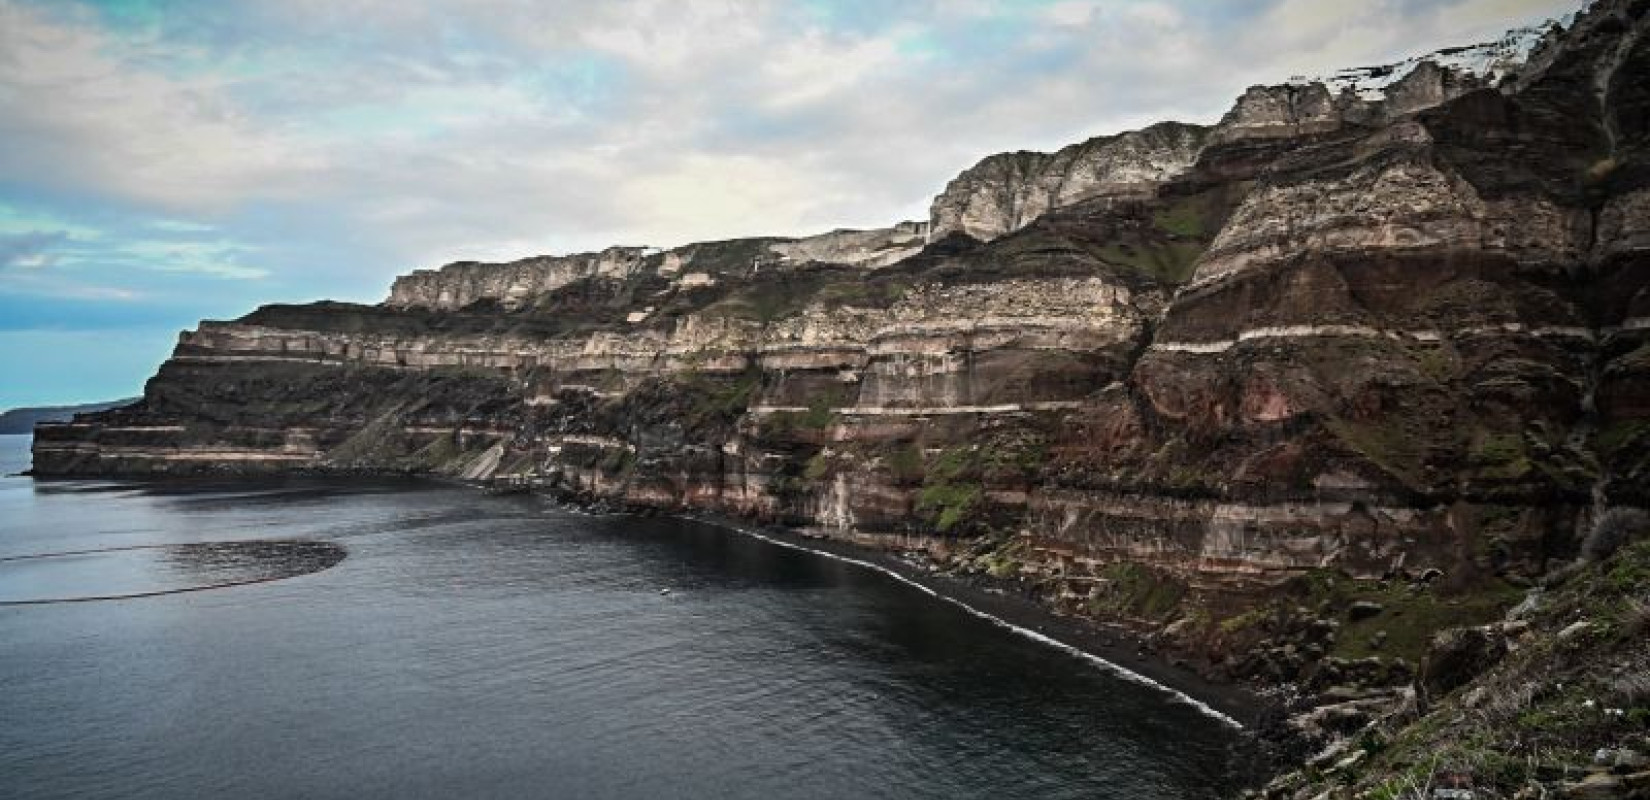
point(165, 161)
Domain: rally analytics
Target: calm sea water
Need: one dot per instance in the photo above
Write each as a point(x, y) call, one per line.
point(473, 646)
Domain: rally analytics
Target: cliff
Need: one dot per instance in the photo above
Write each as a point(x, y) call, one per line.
point(1185, 378)
point(1005, 192)
point(23, 420)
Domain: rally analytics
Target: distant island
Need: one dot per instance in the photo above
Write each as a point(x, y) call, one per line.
point(22, 420)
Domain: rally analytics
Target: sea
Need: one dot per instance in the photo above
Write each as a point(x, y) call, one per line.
point(402, 639)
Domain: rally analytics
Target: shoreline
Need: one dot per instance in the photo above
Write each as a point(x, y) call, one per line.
point(1111, 648)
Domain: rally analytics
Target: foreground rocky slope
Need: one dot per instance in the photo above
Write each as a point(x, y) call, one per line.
point(1349, 345)
point(1552, 700)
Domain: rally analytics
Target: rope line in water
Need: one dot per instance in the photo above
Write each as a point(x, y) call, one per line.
point(335, 548)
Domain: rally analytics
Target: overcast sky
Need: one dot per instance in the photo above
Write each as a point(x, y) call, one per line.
point(163, 162)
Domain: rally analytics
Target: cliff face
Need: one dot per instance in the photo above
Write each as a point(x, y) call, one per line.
point(1163, 376)
point(519, 283)
point(1005, 192)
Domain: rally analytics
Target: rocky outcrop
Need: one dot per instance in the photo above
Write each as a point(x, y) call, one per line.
point(1005, 192)
point(1546, 701)
point(1384, 94)
point(466, 282)
point(1456, 657)
point(873, 248)
point(22, 420)
point(517, 284)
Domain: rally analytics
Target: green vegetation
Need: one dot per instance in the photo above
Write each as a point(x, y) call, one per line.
point(1004, 561)
point(519, 464)
point(735, 256)
point(905, 462)
point(381, 441)
point(1388, 446)
point(769, 296)
point(1169, 262)
point(817, 467)
point(871, 292)
point(1182, 219)
point(719, 399)
point(1409, 614)
point(1019, 459)
point(818, 416)
point(1244, 621)
point(1628, 574)
point(948, 504)
point(1622, 435)
point(441, 450)
point(617, 461)
point(1436, 362)
point(1410, 617)
point(1499, 456)
point(1572, 684)
point(1138, 590)
point(951, 490)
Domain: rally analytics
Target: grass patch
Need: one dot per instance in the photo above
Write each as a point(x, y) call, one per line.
point(1619, 436)
point(1005, 561)
point(1410, 618)
point(949, 504)
point(862, 293)
point(818, 467)
point(1181, 219)
point(905, 463)
point(1410, 615)
point(438, 452)
point(1499, 456)
point(1530, 725)
point(819, 414)
point(951, 490)
point(1244, 621)
point(720, 400)
point(1436, 363)
point(817, 417)
point(1170, 262)
point(1393, 450)
point(1138, 590)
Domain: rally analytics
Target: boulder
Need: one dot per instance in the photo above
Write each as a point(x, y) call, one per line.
point(1598, 786)
point(1456, 656)
point(1364, 609)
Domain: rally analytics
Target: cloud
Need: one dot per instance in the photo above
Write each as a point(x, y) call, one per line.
point(216, 259)
point(30, 250)
point(30, 287)
point(74, 111)
point(97, 293)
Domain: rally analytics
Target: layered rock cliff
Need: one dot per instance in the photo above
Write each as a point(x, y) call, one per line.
point(1005, 192)
point(1172, 377)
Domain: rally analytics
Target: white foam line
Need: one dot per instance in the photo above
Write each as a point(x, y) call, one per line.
point(1109, 666)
